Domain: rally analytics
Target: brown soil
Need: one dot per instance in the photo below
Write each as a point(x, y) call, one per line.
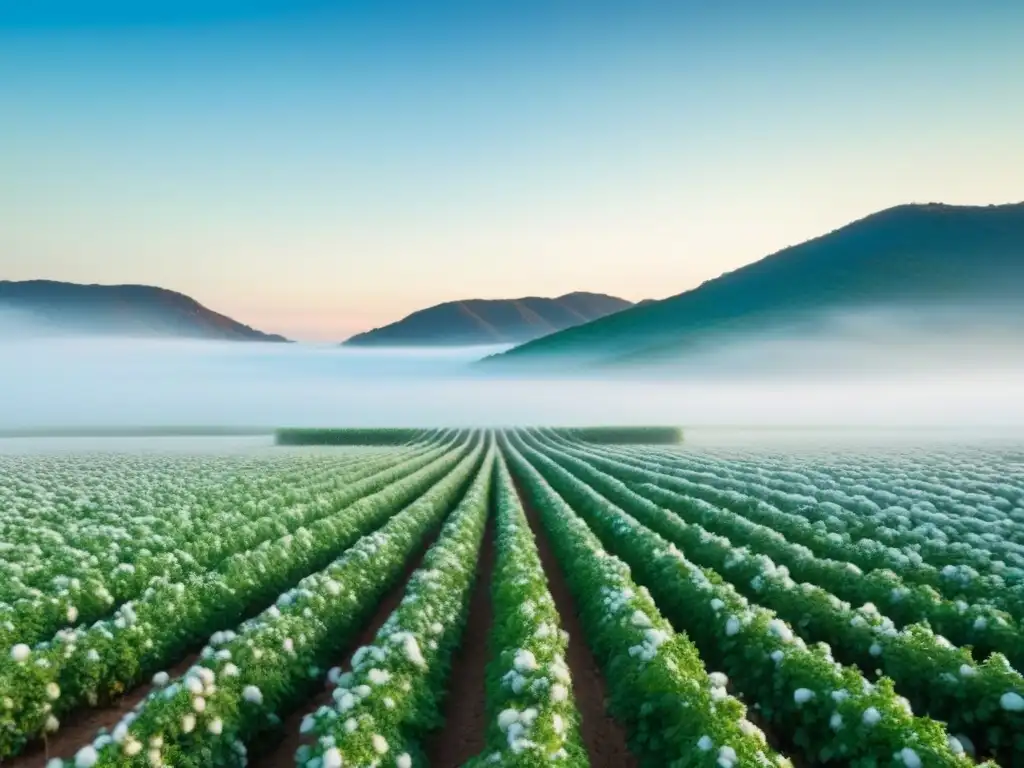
point(80, 727)
point(281, 753)
point(465, 711)
point(604, 739)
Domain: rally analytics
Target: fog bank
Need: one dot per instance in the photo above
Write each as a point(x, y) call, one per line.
point(90, 382)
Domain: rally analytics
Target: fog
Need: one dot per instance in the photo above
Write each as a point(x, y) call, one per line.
point(55, 382)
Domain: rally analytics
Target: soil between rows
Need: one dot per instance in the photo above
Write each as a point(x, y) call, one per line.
point(464, 733)
point(281, 753)
point(604, 739)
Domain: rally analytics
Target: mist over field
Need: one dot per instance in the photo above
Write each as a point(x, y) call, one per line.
point(852, 378)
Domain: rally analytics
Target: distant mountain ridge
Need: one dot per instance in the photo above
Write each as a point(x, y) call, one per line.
point(491, 321)
point(933, 255)
point(52, 307)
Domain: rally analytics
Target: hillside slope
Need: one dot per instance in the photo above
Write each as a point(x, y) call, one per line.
point(55, 308)
point(957, 260)
point(491, 321)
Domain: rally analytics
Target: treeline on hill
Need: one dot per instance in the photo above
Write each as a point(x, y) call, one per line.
point(349, 436)
point(623, 435)
point(402, 436)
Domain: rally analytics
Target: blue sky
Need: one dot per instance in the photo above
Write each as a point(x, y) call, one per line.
point(317, 168)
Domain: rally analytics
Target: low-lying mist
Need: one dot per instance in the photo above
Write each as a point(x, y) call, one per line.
point(814, 380)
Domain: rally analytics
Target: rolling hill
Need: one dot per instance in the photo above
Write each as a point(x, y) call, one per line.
point(45, 307)
point(491, 321)
point(961, 263)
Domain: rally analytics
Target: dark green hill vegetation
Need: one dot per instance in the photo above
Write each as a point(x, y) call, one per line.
point(957, 259)
point(47, 307)
point(491, 321)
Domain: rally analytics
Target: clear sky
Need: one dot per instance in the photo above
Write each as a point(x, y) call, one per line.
point(318, 168)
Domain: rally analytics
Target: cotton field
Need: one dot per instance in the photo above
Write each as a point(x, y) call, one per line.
point(512, 597)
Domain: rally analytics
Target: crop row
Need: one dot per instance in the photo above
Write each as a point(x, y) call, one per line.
point(89, 665)
point(674, 711)
point(828, 711)
point(246, 678)
point(936, 677)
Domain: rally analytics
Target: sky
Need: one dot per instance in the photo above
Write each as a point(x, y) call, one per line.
point(320, 168)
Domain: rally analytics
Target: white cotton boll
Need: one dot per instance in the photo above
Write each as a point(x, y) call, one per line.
point(639, 619)
point(362, 691)
point(288, 645)
point(717, 605)
point(803, 695)
point(559, 692)
point(910, 758)
point(346, 701)
point(160, 679)
point(332, 758)
point(52, 724)
point(333, 674)
point(871, 716)
point(980, 623)
point(188, 723)
point(1012, 702)
point(120, 733)
point(955, 746)
point(966, 744)
point(718, 679)
point(836, 722)
point(52, 691)
point(507, 718)
point(732, 626)
point(229, 670)
point(252, 694)
point(719, 694)
point(413, 652)
point(86, 757)
point(351, 725)
point(378, 676)
point(199, 704)
point(194, 685)
point(403, 761)
point(72, 614)
point(777, 656)
point(558, 724)
point(307, 724)
point(705, 744)
point(20, 653)
point(216, 726)
point(132, 747)
point(966, 670)
point(727, 757)
point(525, 661)
point(875, 649)
point(55, 762)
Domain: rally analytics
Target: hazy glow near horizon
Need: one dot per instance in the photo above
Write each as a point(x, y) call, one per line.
point(68, 383)
point(316, 168)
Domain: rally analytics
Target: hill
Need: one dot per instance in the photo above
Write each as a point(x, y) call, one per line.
point(961, 261)
point(55, 308)
point(491, 321)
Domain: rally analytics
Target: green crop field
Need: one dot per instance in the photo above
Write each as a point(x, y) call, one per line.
point(516, 597)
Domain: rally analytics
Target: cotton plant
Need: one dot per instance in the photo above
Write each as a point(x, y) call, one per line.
point(383, 707)
point(792, 683)
point(244, 676)
point(532, 714)
point(675, 712)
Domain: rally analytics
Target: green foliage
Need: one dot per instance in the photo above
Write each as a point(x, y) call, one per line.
point(623, 435)
point(350, 436)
